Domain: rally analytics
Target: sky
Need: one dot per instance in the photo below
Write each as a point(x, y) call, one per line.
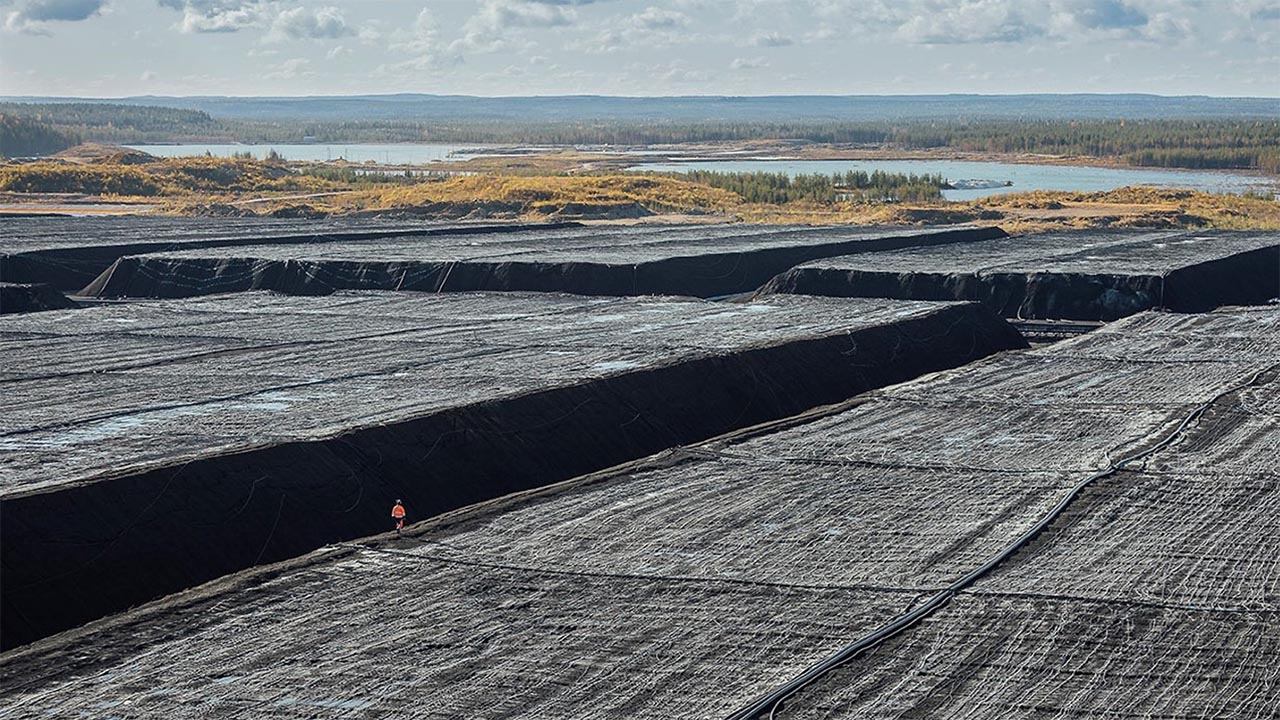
point(113, 48)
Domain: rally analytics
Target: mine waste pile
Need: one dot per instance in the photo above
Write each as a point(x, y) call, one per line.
point(694, 260)
point(840, 486)
point(1085, 529)
point(31, 297)
point(70, 252)
point(148, 447)
point(1070, 275)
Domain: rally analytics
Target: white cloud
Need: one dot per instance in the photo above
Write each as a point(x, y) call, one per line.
point(34, 16)
point(215, 16)
point(606, 41)
point(503, 14)
point(1263, 11)
point(970, 21)
point(310, 23)
point(421, 40)
point(1164, 28)
point(679, 73)
point(1127, 44)
point(1099, 15)
point(418, 38)
point(772, 39)
point(749, 63)
point(654, 19)
point(492, 27)
point(289, 69)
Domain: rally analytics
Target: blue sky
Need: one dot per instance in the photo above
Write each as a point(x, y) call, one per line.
point(646, 47)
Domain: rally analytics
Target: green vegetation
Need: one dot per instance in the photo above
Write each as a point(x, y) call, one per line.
point(857, 186)
point(1263, 159)
point(1243, 143)
point(1223, 144)
point(117, 124)
point(349, 175)
point(22, 136)
point(176, 176)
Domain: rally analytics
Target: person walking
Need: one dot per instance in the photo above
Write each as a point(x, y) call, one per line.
point(397, 514)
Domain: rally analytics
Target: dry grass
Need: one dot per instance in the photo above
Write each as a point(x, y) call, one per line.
point(166, 177)
point(552, 194)
point(540, 188)
point(550, 163)
point(1043, 210)
point(1134, 207)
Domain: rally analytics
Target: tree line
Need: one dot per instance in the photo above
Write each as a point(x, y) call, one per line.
point(1228, 143)
point(856, 186)
point(25, 137)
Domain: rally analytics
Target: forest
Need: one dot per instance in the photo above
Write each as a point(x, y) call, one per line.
point(858, 186)
point(1225, 143)
point(22, 136)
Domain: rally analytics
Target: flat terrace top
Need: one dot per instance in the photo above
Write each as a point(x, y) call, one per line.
point(1121, 252)
point(617, 245)
point(1157, 591)
point(112, 387)
point(30, 234)
point(691, 585)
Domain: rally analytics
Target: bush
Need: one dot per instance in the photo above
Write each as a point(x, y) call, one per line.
point(89, 180)
point(856, 186)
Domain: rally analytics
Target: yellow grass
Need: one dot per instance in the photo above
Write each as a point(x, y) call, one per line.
point(543, 195)
point(1136, 207)
point(157, 178)
point(204, 185)
point(1043, 210)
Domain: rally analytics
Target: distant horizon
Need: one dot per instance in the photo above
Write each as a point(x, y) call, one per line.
point(428, 107)
point(316, 96)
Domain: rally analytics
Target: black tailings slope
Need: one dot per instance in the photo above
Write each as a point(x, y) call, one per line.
point(23, 298)
point(698, 261)
point(69, 252)
point(77, 546)
point(713, 578)
point(1072, 276)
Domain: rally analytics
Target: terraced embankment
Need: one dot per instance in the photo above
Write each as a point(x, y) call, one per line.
point(1083, 275)
point(700, 582)
point(27, 297)
point(70, 252)
point(149, 447)
point(696, 260)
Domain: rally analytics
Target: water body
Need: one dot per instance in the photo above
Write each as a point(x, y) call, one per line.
point(984, 175)
point(398, 153)
point(1022, 177)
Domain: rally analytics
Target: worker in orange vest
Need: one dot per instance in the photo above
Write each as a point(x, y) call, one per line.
point(397, 514)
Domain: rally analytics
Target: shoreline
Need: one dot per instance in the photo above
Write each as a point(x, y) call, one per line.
point(590, 157)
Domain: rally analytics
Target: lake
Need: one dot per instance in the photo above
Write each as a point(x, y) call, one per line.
point(1023, 177)
point(398, 153)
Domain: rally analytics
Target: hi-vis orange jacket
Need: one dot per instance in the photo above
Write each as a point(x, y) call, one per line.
point(397, 512)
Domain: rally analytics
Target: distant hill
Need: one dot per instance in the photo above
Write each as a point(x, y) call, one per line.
point(1142, 130)
point(701, 108)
